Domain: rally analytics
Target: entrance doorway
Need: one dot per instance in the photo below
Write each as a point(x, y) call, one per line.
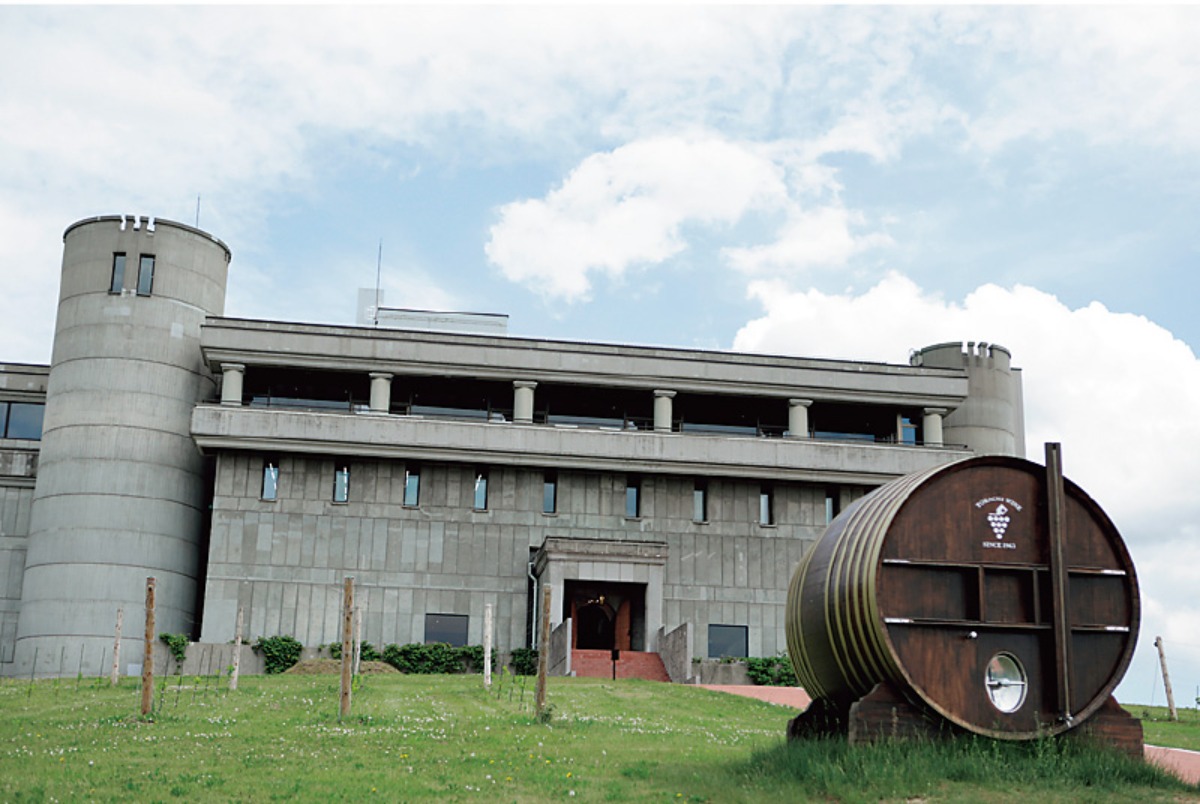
point(607, 615)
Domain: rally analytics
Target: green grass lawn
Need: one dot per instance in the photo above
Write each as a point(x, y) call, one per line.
point(444, 738)
point(1181, 733)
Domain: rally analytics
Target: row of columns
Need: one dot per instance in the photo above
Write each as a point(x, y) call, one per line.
point(381, 395)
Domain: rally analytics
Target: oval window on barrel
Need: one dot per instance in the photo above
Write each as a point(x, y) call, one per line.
point(1006, 682)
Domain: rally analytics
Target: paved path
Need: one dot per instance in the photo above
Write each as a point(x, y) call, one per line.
point(1181, 762)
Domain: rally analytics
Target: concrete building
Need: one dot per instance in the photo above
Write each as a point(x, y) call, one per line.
point(662, 495)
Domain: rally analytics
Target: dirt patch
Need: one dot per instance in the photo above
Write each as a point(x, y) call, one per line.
point(332, 667)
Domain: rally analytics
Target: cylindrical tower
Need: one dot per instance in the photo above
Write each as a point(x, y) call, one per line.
point(120, 492)
point(990, 421)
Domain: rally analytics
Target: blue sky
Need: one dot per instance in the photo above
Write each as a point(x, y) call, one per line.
point(848, 182)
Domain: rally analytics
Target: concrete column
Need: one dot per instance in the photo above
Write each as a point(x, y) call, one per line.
point(523, 401)
point(381, 392)
point(932, 426)
point(663, 411)
point(798, 417)
point(231, 383)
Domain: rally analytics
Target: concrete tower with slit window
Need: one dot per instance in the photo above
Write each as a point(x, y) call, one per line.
point(121, 492)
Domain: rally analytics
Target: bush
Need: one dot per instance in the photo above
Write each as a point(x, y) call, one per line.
point(178, 645)
point(367, 652)
point(525, 661)
point(278, 652)
point(435, 657)
point(772, 671)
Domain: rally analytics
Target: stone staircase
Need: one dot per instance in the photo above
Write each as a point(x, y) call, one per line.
point(631, 664)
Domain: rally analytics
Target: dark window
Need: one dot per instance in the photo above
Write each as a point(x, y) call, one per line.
point(118, 274)
point(448, 628)
point(24, 420)
point(550, 493)
point(766, 506)
point(633, 498)
point(728, 640)
point(700, 502)
point(341, 483)
point(145, 274)
point(481, 484)
point(270, 479)
point(3, 418)
point(412, 487)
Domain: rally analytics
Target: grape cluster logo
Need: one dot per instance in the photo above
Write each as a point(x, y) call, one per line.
point(999, 520)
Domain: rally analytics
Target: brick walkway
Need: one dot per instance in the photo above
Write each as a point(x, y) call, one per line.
point(1183, 763)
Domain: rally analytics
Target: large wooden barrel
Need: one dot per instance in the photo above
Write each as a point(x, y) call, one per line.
point(990, 591)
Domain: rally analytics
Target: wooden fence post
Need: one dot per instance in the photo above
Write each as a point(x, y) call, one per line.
point(487, 646)
point(237, 649)
point(347, 645)
point(543, 656)
point(115, 675)
point(148, 652)
point(1162, 660)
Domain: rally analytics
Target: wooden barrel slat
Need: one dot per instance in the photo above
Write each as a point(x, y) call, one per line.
point(930, 577)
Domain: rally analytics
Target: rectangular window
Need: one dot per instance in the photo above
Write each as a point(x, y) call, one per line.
point(448, 628)
point(728, 640)
point(700, 502)
point(481, 484)
point(341, 483)
point(633, 498)
point(832, 509)
point(550, 493)
point(766, 506)
point(270, 479)
point(118, 274)
point(24, 421)
point(412, 487)
point(3, 419)
point(145, 274)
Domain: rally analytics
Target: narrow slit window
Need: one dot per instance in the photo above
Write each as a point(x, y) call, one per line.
point(700, 502)
point(341, 483)
point(550, 493)
point(118, 274)
point(481, 490)
point(766, 506)
point(633, 498)
point(270, 480)
point(145, 275)
point(412, 487)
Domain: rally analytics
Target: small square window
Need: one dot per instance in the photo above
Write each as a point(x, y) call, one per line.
point(633, 498)
point(550, 493)
point(412, 487)
point(700, 501)
point(145, 275)
point(118, 274)
point(448, 628)
point(341, 483)
point(481, 490)
point(766, 506)
point(728, 640)
point(270, 480)
point(24, 421)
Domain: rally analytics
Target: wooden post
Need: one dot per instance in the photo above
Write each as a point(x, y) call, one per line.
point(115, 675)
point(237, 649)
point(148, 652)
point(1162, 660)
point(357, 639)
point(543, 655)
point(487, 646)
point(347, 645)
point(1059, 579)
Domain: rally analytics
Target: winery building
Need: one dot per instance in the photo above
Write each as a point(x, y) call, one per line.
point(663, 495)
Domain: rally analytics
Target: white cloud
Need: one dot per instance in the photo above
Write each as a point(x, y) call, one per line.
point(1117, 390)
point(818, 237)
point(627, 207)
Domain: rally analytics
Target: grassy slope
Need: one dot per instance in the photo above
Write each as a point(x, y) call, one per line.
point(424, 738)
point(1183, 733)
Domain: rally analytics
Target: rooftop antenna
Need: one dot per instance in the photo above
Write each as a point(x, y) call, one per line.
point(197, 210)
point(378, 273)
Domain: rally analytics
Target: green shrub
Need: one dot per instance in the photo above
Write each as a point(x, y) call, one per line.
point(771, 671)
point(366, 652)
point(278, 652)
point(177, 644)
point(524, 661)
point(435, 657)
